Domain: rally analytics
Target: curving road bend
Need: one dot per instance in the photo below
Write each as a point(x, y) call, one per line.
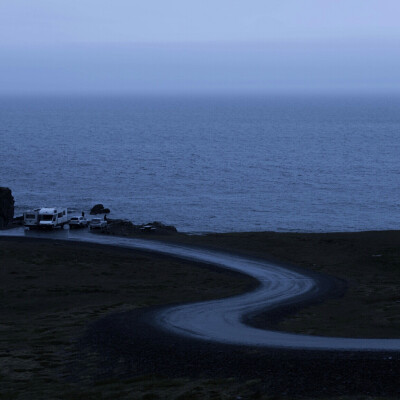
point(222, 320)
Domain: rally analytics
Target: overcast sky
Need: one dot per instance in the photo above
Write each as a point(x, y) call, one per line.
point(131, 46)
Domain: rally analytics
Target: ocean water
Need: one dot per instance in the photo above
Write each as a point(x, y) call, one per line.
point(209, 164)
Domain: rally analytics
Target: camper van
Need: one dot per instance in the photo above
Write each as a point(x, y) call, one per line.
point(31, 218)
point(52, 217)
point(49, 218)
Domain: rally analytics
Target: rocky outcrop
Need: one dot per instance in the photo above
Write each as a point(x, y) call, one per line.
point(6, 207)
point(159, 227)
point(99, 209)
point(127, 228)
point(18, 221)
point(122, 227)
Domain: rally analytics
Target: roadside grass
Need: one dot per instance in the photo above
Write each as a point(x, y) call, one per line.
point(145, 388)
point(369, 263)
point(50, 292)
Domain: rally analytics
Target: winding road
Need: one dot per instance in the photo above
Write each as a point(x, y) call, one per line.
point(222, 320)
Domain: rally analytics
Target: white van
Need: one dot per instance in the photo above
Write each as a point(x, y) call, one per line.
point(31, 218)
point(52, 217)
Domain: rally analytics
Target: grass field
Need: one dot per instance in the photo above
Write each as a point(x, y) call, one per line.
point(51, 291)
point(369, 263)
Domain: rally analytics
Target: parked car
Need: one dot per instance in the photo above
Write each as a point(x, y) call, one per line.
point(78, 222)
point(98, 223)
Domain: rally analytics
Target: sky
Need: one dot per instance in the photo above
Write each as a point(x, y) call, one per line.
point(157, 46)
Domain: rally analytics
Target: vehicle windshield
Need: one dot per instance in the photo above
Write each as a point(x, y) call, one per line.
point(47, 218)
point(96, 220)
point(74, 219)
point(30, 216)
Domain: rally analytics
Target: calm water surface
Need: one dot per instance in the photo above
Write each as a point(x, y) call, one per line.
point(209, 163)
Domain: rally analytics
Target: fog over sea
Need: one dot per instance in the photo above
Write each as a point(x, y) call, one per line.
point(209, 163)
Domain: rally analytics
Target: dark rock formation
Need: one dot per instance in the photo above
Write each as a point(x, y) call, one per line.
point(6, 207)
point(99, 209)
point(127, 228)
point(161, 228)
point(122, 227)
point(18, 221)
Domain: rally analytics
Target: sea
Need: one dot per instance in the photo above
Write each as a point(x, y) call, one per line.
point(209, 163)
